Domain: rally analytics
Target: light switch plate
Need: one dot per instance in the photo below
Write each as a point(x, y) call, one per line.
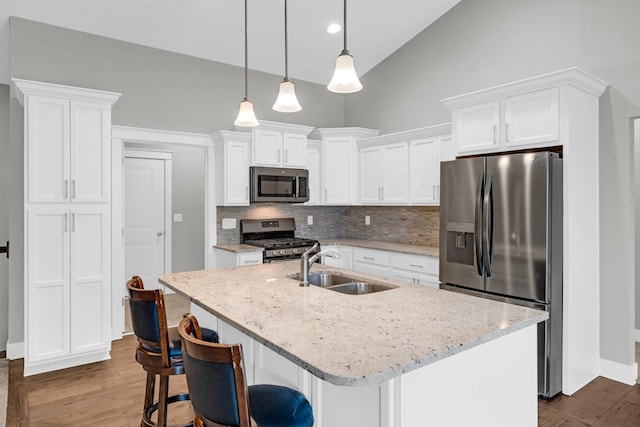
point(228, 223)
point(177, 217)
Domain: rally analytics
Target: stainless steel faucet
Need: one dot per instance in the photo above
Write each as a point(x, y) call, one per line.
point(306, 262)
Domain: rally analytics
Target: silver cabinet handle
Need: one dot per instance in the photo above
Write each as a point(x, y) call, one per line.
point(368, 257)
point(286, 156)
point(73, 189)
point(381, 193)
point(66, 222)
point(246, 192)
point(495, 130)
point(506, 132)
point(434, 191)
point(251, 261)
point(326, 194)
point(416, 266)
point(73, 222)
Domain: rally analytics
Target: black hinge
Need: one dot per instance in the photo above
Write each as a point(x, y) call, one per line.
point(5, 249)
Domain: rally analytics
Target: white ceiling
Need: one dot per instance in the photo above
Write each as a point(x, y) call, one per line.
point(213, 29)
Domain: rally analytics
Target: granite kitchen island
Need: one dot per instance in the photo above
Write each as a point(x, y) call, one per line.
point(408, 356)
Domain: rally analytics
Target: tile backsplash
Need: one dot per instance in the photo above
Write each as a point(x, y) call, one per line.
point(417, 225)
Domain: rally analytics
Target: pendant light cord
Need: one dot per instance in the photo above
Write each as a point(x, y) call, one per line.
point(345, 50)
point(286, 45)
point(246, 55)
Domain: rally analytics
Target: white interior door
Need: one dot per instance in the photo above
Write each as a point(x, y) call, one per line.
point(147, 209)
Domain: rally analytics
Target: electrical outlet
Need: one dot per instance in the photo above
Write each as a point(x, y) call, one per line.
point(480, 386)
point(367, 220)
point(310, 219)
point(228, 223)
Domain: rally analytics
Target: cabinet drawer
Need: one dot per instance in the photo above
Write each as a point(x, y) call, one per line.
point(371, 257)
point(249, 258)
point(420, 264)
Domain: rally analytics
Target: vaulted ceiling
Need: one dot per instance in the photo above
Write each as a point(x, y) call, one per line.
point(214, 29)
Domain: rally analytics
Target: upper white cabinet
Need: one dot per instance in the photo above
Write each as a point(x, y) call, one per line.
point(404, 168)
point(232, 159)
point(339, 164)
point(279, 145)
point(384, 176)
point(67, 264)
point(520, 121)
point(68, 137)
point(529, 113)
point(314, 165)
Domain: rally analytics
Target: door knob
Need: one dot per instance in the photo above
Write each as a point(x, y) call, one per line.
point(159, 233)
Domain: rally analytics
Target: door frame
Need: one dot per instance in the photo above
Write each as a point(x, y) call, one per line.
point(120, 135)
point(166, 157)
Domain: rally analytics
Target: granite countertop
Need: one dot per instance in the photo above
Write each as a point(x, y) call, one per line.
point(368, 244)
point(349, 339)
point(238, 248)
point(386, 246)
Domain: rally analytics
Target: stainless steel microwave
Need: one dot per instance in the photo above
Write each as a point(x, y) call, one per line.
point(284, 185)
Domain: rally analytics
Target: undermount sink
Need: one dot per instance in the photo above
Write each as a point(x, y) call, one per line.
point(341, 283)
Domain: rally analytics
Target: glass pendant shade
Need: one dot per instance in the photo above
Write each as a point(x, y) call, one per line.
point(246, 117)
point(345, 79)
point(287, 101)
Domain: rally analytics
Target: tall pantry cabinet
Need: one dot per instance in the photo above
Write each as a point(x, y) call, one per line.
point(67, 208)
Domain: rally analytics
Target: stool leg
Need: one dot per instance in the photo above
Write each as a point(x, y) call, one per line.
point(163, 396)
point(148, 394)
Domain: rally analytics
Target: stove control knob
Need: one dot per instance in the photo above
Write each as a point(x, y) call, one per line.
point(276, 252)
point(296, 250)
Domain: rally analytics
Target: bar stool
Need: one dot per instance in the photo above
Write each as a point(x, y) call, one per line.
point(159, 348)
point(219, 392)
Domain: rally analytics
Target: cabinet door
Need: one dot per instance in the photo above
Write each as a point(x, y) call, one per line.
point(370, 175)
point(447, 150)
point(338, 171)
point(271, 368)
point(267, 148)
point(395, 176)
point(424, 167)
point(295, 150)
point(476, 128)
point(47, 305)
point(346, 406)
point(90, 150)
point(315, 183)
point(531, 118)
point(237, 173)
point(47, 142)
point(90, 279)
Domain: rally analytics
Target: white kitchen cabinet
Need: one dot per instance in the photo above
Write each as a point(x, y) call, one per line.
point(68, 149)
point(384, 174)
point(425, 156)
point(279, 145)
point(228, 334)
point(314, 166)
point(272, 368)
point(225, 258)
point(339, 164)
point(68, 310)
point(232, 160)
point(416, 269)
point(526, 120)
point(67, 264)
point(371, 261)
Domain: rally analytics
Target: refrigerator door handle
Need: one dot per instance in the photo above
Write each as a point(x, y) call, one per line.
point(478, 226)
point(487, 232)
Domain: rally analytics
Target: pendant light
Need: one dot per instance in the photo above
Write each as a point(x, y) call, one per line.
point(286, 101)
point(345, 79)
point(246, 117)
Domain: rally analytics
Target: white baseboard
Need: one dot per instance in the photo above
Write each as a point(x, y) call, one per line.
point(626, 374)
point(637, 335)
point(15, 350)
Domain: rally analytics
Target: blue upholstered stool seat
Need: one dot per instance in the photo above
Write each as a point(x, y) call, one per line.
point(175, 347)
point(276, 406)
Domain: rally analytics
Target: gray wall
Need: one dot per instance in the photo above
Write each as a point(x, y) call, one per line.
point(479, 44)
point(4, 213)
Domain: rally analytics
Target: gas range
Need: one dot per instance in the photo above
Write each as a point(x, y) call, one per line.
point(276, 236)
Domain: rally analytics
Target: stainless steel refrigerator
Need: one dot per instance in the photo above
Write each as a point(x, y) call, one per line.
point(501, 238)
